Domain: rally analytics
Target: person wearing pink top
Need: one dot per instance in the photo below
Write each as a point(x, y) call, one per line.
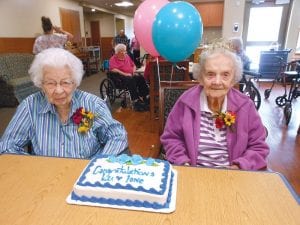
point(122, 67)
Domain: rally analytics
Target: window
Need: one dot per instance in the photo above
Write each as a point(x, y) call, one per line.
point(265, 29)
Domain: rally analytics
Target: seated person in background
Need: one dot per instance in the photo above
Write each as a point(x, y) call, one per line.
point(213, 124)
point(147, 66)
point(53, 37)
point(123, 65)
point(236, 44)
point(61, 120)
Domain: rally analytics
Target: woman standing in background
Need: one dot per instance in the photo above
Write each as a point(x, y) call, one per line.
point(53, 37)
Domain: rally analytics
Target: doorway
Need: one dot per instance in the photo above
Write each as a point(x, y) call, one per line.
point(265, 28)
point(95, 33)
point(120, 25)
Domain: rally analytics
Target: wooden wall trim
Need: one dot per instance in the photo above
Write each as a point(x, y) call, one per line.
point(25, 45)
point(16, 45)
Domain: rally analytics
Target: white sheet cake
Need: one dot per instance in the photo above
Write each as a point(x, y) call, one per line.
point(126, 181)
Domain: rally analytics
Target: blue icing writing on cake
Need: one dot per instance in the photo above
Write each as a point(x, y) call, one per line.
point(125, 181)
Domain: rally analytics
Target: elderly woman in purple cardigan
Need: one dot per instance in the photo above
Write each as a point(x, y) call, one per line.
point(213, 124)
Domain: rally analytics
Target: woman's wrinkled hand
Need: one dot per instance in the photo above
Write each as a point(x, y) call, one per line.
point(234, 167)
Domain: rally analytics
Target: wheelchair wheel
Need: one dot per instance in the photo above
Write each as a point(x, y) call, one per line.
point(287, 112)
point(267, 93)
point(107, 88)
point(280, 101)
point(251, 91)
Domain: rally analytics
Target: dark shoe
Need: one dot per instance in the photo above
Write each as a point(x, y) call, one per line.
point(139, 106)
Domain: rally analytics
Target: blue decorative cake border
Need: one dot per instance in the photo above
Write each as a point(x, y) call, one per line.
point(127, 187)
point(127, 203)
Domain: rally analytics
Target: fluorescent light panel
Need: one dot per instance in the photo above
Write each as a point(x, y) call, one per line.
point(124, 4)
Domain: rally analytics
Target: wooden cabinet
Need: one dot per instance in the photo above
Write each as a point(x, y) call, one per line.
point(211, 13)
point(70, 22)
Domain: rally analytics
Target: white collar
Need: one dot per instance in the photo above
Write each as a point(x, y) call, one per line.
point(204, 105)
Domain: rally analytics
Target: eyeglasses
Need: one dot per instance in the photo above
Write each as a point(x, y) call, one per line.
point(53, 84)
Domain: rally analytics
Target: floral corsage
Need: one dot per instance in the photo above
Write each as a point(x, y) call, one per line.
point(226, 119)
point(84, 119)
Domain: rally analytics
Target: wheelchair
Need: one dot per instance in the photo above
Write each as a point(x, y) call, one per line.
point(248, 87)
point(113, 88)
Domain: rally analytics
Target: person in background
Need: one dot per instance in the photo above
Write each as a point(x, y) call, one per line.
point(53, 37)
point(213, 124)
point(60, 120)
point(136, 52)
point(237, 45)
point(121, 38)
point(123, 68)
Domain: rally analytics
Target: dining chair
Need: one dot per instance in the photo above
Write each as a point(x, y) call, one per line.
point(169, 92)
point(166, 71)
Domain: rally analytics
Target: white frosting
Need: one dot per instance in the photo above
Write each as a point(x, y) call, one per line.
point(113, 180)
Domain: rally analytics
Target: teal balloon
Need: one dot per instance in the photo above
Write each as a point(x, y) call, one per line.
point(177, 31)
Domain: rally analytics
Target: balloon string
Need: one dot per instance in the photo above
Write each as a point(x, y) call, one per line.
point(158, 73)
point(172, 72)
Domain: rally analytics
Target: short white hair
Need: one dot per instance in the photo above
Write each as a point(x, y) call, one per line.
point(58, 58)
point(206, 54)
point(120, 47)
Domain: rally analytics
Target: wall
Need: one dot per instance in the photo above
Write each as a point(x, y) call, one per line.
point(294, 26)
point(233, 13)
point(22, 18)
point(107, 23)
point(210, 34)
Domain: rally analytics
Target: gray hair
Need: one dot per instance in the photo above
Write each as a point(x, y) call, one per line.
point(236, 44)
point(55, 57)
point(120, 47)
point(227, 52)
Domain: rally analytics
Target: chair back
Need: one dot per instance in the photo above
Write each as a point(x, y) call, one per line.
point(180, 73)
point(169, 92)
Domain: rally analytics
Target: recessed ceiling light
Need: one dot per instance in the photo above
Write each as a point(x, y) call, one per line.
point(124, 4)
point(93, 10)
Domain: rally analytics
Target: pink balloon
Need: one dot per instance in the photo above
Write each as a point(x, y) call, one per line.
point(142, 22)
